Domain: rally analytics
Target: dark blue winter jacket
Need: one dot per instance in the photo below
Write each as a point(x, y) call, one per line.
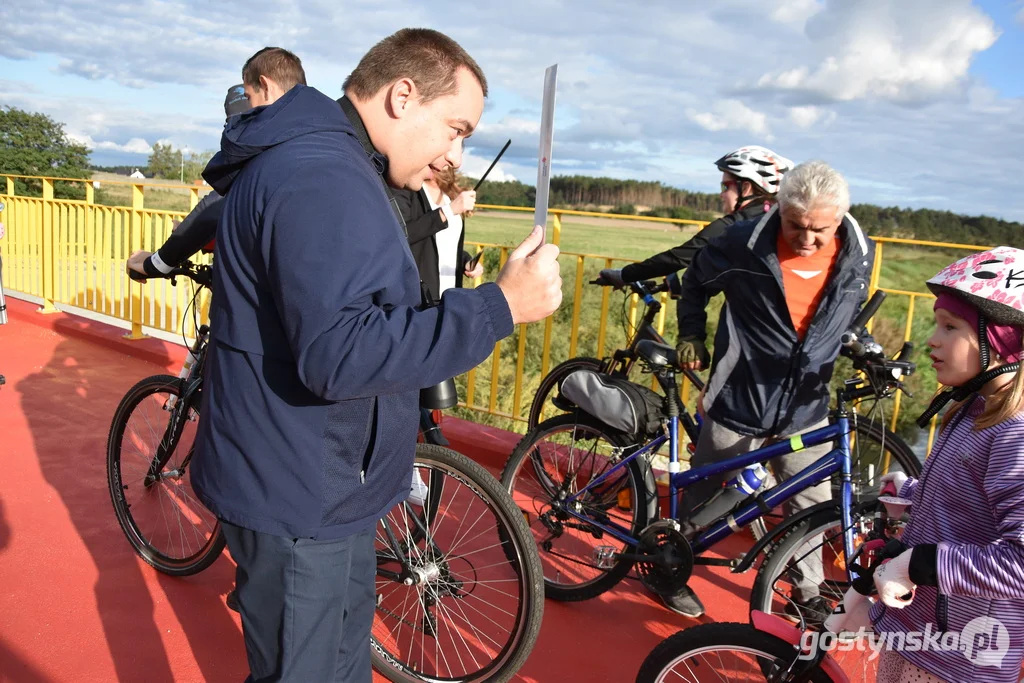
point(319, 347)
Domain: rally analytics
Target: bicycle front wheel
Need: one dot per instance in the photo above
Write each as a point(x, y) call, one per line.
point(720, 652)
point(787, 577)
point(460, 593)
point(155, 505)
point(558, 459)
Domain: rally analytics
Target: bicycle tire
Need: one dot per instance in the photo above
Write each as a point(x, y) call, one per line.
point(640, 481)
point(720, 638)
point(208, 553)
point(513, 528)
point(551, 380)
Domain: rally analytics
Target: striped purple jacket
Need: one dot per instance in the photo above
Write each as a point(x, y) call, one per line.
point(970, 501)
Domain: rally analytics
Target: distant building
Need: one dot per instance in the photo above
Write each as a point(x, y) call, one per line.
point(137, 174)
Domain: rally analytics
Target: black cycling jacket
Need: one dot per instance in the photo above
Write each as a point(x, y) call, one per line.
point(764, 380)
point(194, 232)
point(678, 258)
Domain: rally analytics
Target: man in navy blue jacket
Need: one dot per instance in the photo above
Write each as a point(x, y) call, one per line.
point(319, 346)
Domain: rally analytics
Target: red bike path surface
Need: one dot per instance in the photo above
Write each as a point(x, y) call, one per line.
point(77, 604)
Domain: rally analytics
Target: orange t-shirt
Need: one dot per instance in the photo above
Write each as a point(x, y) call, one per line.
point(804, 279)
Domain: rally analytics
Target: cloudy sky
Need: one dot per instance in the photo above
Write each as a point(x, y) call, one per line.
point(919, 102)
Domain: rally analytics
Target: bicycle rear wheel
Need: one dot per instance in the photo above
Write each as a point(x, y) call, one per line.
point(720, 652)
point(460, 594)
point(157, 510)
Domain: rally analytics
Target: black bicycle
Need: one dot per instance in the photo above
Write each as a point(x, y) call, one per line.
point(622, 361)
point(459, 581)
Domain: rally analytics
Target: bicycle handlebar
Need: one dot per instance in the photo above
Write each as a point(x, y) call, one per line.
point(866, 313)
point(640, 287)
point(201, 274)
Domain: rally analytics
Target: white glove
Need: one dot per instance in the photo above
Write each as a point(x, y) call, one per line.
point(892, 580)
point(851, 615)
point(613, 277)
point(897, 478)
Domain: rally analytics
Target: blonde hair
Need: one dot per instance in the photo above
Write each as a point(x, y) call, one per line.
point(1004, 403)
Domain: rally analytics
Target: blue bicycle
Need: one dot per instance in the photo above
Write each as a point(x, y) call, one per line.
point(587, 485)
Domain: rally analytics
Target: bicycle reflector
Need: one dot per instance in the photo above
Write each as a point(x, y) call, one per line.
point(625, 499)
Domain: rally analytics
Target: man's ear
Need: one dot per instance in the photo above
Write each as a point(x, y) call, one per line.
point(401, 96)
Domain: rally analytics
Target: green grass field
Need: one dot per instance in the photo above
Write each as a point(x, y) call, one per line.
point(116, 190)
point(904, 267)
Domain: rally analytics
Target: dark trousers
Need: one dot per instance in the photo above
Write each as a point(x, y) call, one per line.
point(307, 606)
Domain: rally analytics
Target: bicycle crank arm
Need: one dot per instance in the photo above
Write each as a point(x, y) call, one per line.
point(731, 563)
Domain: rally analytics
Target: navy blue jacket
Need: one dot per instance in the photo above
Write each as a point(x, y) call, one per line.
point(318, 346)
point(764, 380)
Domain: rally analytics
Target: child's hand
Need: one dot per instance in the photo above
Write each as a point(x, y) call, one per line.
point(892, 580)
point(896, 479)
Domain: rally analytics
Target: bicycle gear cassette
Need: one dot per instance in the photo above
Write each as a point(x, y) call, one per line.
point(669, 558)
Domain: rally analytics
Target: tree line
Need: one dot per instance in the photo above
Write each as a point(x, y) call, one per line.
point(34, 144)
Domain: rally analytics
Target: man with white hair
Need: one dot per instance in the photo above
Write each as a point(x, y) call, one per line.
point(793, 281)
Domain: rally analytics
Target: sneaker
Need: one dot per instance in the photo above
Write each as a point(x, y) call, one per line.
point(684, 602)
point(814, 611)
point(418, 490)
point(232, 600)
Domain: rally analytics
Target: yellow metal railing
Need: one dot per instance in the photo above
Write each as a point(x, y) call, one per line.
point(72, 252)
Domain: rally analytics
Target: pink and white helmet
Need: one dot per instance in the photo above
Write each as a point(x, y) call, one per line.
point(759, 165)
point(992, 282)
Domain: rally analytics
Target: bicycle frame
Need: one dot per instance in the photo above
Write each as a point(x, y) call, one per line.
point(837, 460)
point(627, 357)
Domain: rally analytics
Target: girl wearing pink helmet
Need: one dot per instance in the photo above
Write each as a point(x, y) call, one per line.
point(951, 606)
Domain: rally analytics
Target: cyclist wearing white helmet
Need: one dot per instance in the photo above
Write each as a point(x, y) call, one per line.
point(962, 568)
point(750, 180)
point(793, 281)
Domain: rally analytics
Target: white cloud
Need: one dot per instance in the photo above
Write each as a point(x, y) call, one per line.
point(899, 50)
point(108, 126)
point(474, 166)
point(133, 146)
point(795, 11)
point(645, 91)
point(1020, 16)
point(805, 117)
point(731, 115)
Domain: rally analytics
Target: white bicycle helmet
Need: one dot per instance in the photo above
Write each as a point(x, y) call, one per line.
point(993, 283)
point(758, 165)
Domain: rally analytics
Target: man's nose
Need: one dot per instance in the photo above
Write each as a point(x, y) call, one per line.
point(454, 155)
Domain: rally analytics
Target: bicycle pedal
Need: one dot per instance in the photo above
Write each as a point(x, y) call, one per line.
point(605, 556)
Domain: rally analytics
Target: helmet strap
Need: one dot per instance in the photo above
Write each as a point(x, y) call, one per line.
point(741, 199)
point(983, 346)
point(960, 393)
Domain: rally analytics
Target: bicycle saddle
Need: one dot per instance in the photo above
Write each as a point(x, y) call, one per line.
point(658, 355)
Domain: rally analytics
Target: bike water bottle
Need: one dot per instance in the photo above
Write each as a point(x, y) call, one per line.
point(745, 483)
point(749, 479)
